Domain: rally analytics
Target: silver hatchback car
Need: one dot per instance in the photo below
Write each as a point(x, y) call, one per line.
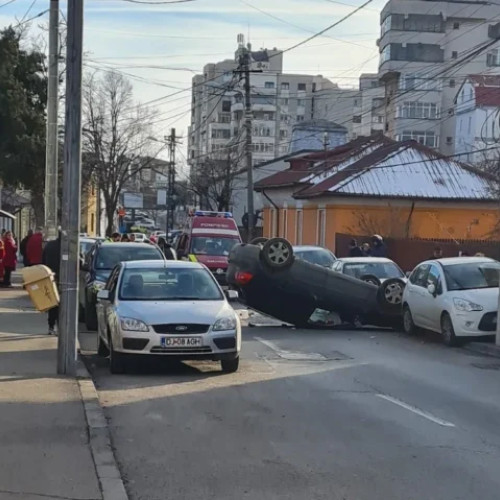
point(167, 308)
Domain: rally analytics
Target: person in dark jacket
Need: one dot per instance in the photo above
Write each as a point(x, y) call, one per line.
point(354, 250)
point(378, 246)
point(167, 249)
point(22, 248)
point(51, 258)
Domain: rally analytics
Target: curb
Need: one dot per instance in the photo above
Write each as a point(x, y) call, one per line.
point(491, 350)
point(112, 487)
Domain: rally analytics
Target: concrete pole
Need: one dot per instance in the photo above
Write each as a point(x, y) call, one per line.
point(245, 62)
point(68, 316)
point(51, 190)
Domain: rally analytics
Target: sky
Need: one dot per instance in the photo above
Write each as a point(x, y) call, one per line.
point(160, 47)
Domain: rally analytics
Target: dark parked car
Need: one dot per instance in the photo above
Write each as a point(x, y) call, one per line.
point(97, 266)
point(274, 282)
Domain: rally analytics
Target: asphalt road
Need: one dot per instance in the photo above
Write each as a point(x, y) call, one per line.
point(362, 415)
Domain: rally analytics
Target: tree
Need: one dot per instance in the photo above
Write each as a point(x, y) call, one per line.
point(117, 138)
point(23, 98)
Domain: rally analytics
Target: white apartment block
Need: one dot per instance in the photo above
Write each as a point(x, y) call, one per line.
point(423, 60)
point(279, 100)
point(477, 111)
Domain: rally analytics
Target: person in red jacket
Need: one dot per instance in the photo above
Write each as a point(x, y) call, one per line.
point(2, 255)
point(10, 257)
point(34, 248)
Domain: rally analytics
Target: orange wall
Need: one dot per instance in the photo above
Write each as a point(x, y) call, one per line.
point(443, 222)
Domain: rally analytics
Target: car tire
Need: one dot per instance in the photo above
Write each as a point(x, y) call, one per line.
point(90, 316)
point(390, 294)
point(448, 332)
point(370, 278)
point(102, 348)
point(277, 253)
point(408, 325)
point(260, 242)
point(230, 365)
point(116, 360)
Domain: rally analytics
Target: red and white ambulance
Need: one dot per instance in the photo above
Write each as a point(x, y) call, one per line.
point(208, 238)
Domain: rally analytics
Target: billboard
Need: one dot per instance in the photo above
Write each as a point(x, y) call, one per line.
point(161, 197)
point(133, 200)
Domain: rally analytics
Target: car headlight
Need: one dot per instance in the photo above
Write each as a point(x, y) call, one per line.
point(224, 324)
point(466, 305)
point(133, 325)
point(98, 285)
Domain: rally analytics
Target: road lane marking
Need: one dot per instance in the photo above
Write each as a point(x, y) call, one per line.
point(292, 355)
point(423, 414)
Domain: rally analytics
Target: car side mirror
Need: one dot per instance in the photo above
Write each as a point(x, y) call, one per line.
point(103, 295)
point(432, 289)
point(232, 295)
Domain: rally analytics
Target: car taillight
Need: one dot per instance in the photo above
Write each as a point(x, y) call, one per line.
point(243, 277)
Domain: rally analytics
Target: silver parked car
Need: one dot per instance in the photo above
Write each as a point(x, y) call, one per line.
point(167, 308)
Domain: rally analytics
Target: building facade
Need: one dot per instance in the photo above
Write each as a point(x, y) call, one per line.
point(477, 111)
point(425, 50)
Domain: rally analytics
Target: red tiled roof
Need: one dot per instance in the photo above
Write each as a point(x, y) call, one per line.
point(485, 80)
point(488, 96)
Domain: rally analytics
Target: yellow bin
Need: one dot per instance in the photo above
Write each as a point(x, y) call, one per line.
point(39, 281)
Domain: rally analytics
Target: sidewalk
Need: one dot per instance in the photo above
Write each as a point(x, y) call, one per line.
point(44, 439)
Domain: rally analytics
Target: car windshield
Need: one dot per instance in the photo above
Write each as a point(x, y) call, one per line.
point(319, 256)
point(382, 270)
point(472, 275)
point(109, 256)
point(169, 284)
point(213, 245)
point(85, 246)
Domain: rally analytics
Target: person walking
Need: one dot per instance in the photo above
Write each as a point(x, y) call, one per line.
point(10, 258)
point(167, 249)
point(51, 258)
point(34, 248)
point(354, 250)
point(378, 246)
point(22, 248)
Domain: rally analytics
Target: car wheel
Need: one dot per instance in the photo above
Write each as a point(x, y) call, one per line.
point(370, 278)
point(90, 316)
point(102, 348)
point(260, 242)
point(277, 253)
point(408, 324)
point(391, 293)
point(230, 365)
point(448, 332)
point(116, 360)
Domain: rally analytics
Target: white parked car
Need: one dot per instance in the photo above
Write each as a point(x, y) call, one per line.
point(169, 308)
point(315, 255)
point(457, 297)
point(140, 237)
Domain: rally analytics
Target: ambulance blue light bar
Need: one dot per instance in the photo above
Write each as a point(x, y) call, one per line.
point(204, 213)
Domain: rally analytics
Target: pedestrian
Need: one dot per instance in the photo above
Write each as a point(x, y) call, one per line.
point(131, 237)
point(10, 258)
point(22, 248)
point(115, 237)
point(167, 249)
point(437, 254)
point(34, 248)
point(2, 255)
point(51, 258)
point(366, 250)
point(378, 246)
point(125, 238)
point(354, 250)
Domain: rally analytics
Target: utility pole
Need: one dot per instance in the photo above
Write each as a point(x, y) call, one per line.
point(171, 180)
point(68, 317)
point(245, 67)
point(51, 189)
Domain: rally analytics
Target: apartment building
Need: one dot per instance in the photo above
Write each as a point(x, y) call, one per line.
point(426, 49)
point(278, 100)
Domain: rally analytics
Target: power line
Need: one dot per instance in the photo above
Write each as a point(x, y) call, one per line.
point(7, 3)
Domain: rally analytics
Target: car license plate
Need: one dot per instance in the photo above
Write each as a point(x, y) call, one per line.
point(181, 342)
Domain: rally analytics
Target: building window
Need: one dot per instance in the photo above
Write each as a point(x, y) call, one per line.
point(284, 101)
point(427, 137)
point(299, 223)
point(301, 86)
point(300, 118)
point(456, 26)
point(321, 230)
point(418, 81)
point(283, 134)
point(356, 119)
point(469, 126)
point(449, 141)
point(386, 25)
point(385, 55)
point(226, 106)
point(452, 83)
point(285, 86)
point(493, 58)
point(269, 85)
point(454, 54)
point(417, 109)
point(301, 102)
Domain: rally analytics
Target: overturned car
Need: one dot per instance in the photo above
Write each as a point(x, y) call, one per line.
point(272, 280)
